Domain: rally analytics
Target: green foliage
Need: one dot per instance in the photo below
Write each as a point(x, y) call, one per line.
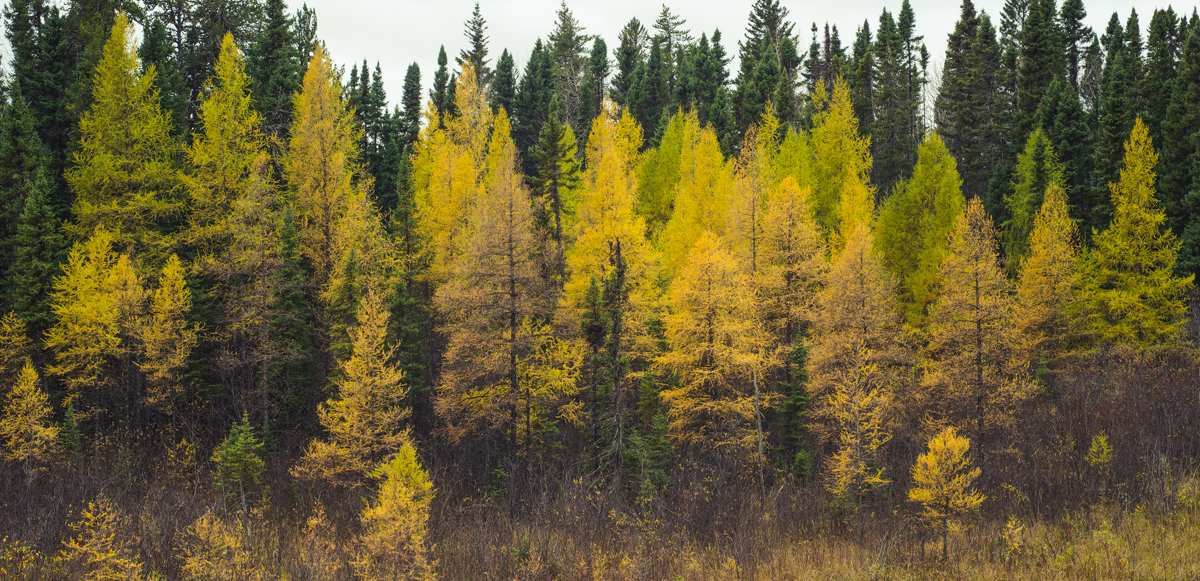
point(239, 466)
point(1037, 170)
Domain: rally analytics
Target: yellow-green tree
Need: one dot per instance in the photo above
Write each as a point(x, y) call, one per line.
point(841, 165)
point(364, 420)
point(915, 225)
point(321, 160)
point(1130, 290)
point(496, 287)
point(86, 334)
point(718, 348)
point(942, 479)
point(1037, 170)
point(701, 194)
point(166, 338)
point(970, 338)
point(852, 365)
point(15, 347)
point(123, 175)
point(658, 173)
point(392, 544)
point(792, 264)
point(28, 432)
point(224, 151)
point(1045, 313)
point(754, 177)
point(449, 167)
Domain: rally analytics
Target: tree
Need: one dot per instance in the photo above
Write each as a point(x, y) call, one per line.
point(1116, 119)
point(851, 364)
point(321, 160)
point(567, 47)
point(718, 347)
point(15, 347)
point(555, 178)
point(1180, 148)
point(438, 93)
point(701, 196)
point(157, 50)
point(475, 30)
point(970, 342)
point(392, 545)
point(410, 121)
point(364, 419)
point(628, 55)
point(123, 176)
point(915, 224)
point(166, 338)
point(224, 151)
point(1130, 289)
point(595, 81)
point(275, 62)
point(942, 481)
point(23, 165)
point(504, 84)
point(1041, 61)
point(841, 162)
point(532, 105)
point(29, 435)
point(1048, 276)
point(1037, 170)
point(496, 286)
point(239, 467)
point(1074, 33)
point(96, 552)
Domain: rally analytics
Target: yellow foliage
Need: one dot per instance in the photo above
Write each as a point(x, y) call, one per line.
point(224, 153)
point(96, 553)
point(392, 544)
point(14, 346)
point(942, 480)
point(28, 433)
point(1047, 280)
point(365, 419)
point(753, 179)
point(701, 194)
point(858, 407)
point(167, 339)
point(123, 175)
point(841, 164)
point(322, 158)
point(217, 550)
point(717, 344)
point(793, 264)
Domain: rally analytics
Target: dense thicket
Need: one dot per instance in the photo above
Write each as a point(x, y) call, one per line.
point(225, 254)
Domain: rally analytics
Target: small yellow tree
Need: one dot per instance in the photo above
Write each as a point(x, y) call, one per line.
point(27, 433)
point(942, 481)
point(15, 346)
point(96, 553)
point(167, 339)
point(1048, 276)
point(392, 545)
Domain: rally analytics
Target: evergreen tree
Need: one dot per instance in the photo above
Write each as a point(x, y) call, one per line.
point(157, 50)
point(1116, 118)
point(860, 75)
point(239, 466)
point(1180, 150)
point(594, 82)
point(22, 172)
point(1062, 118)
point(557, 176)
point(532, 103)
point(628, 55)
point(567, 49)
point(766, 25)
point(1163, 46)
point(504, 84)
point(650, 99)
point(39, 251)
point(1041, 62)
point(475, 30)
point(275, 63)
point(438, 93)
point(1130, 288)
point(410, 122)
point(1074, 33)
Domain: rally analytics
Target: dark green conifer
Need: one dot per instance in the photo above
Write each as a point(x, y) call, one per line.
point(274, 63)
point(504, 84)
point(1074, 32)
point(1178, 173)
point(475, 30)
point(628, 54)
point(593, 87)
point(158, 50)
point(440, 79)
point(410, 120)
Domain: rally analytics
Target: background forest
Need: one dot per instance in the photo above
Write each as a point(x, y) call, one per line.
point(620, 314)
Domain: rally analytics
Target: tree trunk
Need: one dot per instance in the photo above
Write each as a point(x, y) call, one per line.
point(758, 426)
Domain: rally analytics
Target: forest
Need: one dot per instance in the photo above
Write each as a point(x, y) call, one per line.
point(828, 311)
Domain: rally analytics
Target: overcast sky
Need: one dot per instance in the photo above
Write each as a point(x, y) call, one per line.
point(396, 33)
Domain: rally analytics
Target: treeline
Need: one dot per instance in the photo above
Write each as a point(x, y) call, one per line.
point(224, 255)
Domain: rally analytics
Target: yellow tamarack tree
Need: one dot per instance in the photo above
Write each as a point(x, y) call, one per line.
point(971, 342)
point(392, 544)
point(123, 175)
point(792, 262)
point(166, 338)
point(224, 152)
point(449, 167)
point(321, 160)
point(915, 226)
point(658, 173)
point(26, 426)
point(496, 287)
point(942, 479)
point(15, 347)
point(701, 199)
point(716, 344)
point(841, 165)
point(1037, 170)
point(852, 364)
point(1045, 313)
point(102, 549)
point(364, 420)
point(1130, 290)
point(754, 176)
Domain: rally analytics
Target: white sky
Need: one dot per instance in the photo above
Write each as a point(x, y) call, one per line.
point(397, 33)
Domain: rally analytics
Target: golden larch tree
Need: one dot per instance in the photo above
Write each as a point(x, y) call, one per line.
point(841, 165)
point(497, 285)
point(1130, 289)
point(123, 175)
point(392, 544)
point(30, 437)
point(224, 152)
point(15, 346)
point(1037, 170)
point(364, 420)
point(970, 344)
point(942, 479)
point(166, 338)
point(321, 160)
point(1045, 313)
point(101, 548)
point(701, 198)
